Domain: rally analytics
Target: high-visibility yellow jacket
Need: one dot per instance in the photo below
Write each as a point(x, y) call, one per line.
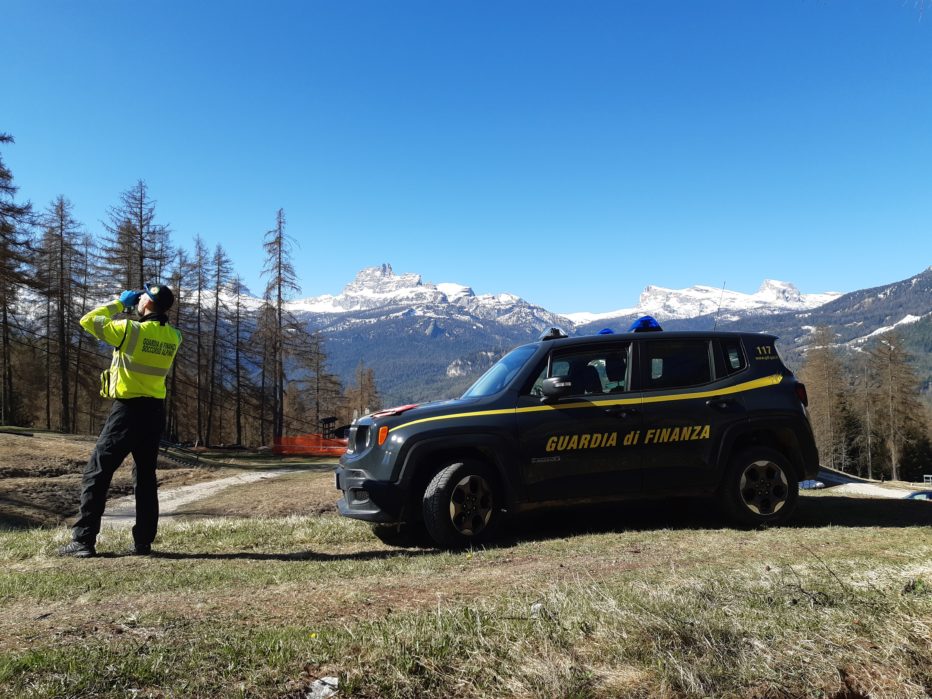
point(142, 356)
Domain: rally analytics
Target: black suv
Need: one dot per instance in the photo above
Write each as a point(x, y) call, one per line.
point(585, 419)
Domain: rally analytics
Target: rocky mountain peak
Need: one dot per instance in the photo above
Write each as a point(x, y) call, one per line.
point(380, 280)
point(773, 290)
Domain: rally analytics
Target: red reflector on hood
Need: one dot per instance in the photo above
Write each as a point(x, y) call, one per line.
point(394, 411)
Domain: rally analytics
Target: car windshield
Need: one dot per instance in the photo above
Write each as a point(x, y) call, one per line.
point(501, 373)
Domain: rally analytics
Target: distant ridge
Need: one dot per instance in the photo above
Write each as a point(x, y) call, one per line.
point(431, 340)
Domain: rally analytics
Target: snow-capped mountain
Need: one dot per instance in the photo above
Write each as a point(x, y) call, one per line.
point(431, 340)
point(379, 288)
point(674, 304)
point(424, 340)
point(856, 318)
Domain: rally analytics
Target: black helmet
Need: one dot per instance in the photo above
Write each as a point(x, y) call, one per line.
point(162, 295)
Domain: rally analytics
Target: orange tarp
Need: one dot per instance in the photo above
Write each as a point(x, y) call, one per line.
point(309, 445)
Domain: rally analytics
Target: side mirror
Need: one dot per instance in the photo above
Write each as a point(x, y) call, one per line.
point(556, 387)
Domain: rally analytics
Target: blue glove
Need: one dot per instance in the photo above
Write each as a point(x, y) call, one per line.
point(129, 299)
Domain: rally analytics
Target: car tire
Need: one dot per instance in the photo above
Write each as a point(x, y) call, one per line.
point(760, 487)
point(462, 504)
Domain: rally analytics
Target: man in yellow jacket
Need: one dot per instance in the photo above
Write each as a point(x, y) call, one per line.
point(143, 353)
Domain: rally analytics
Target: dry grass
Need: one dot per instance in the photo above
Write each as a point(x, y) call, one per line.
point(259, 606)
point(305, 493)
point(651, 600)
point(40, 477)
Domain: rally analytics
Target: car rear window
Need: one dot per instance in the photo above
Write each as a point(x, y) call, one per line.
point(733, 355)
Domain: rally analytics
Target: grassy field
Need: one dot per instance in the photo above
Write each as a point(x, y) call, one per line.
point(650, 600)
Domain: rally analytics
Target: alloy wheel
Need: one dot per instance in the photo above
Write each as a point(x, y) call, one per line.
point(764, 488)
point(471, 505)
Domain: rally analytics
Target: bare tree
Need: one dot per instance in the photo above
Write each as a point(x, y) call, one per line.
point(179, 279)
point(137, 249)
point(221, 269)
point(83, 271)
point(825, 380)
point(59, 250)
point(901, 413)
point(238, 290)
point(200, 280)
point(363, 396)
point(282, 282)
point(14, 257)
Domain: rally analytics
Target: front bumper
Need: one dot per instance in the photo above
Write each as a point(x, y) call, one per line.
point(367, 499)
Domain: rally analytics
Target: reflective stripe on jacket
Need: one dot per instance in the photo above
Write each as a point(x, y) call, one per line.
point(142, 356)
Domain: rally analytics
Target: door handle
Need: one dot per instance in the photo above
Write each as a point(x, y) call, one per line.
point(621, 411)
point(720, 402)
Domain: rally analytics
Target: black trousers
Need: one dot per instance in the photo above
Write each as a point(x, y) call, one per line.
point(134, 426)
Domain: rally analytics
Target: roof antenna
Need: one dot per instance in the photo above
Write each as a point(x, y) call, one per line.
point(719, 310)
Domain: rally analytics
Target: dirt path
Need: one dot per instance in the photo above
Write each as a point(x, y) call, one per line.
point(122, 512)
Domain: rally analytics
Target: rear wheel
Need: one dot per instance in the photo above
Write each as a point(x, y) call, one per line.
point(760, 487)
point(462, 504)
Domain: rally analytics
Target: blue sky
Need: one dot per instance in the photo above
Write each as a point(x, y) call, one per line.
point(568, 152)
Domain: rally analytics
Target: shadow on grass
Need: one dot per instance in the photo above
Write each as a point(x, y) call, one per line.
point(19, 514)
point(294, 556)
point(246, 462)
point(683, 513)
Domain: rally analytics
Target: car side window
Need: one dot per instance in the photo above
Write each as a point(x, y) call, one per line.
point(597, 371)
point(676, 363)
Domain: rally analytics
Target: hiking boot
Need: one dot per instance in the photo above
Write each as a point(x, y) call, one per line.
point(139, 550)
point(78, 549)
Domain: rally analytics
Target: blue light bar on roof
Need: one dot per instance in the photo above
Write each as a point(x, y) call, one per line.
point(644, 324)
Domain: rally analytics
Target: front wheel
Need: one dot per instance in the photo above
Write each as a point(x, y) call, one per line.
point(462, 504)
point(760, 487)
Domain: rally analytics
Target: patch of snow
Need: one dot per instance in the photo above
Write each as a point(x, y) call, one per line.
point(323, 688)
point(584, 317)
point(455, 292)
point(905, 320)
